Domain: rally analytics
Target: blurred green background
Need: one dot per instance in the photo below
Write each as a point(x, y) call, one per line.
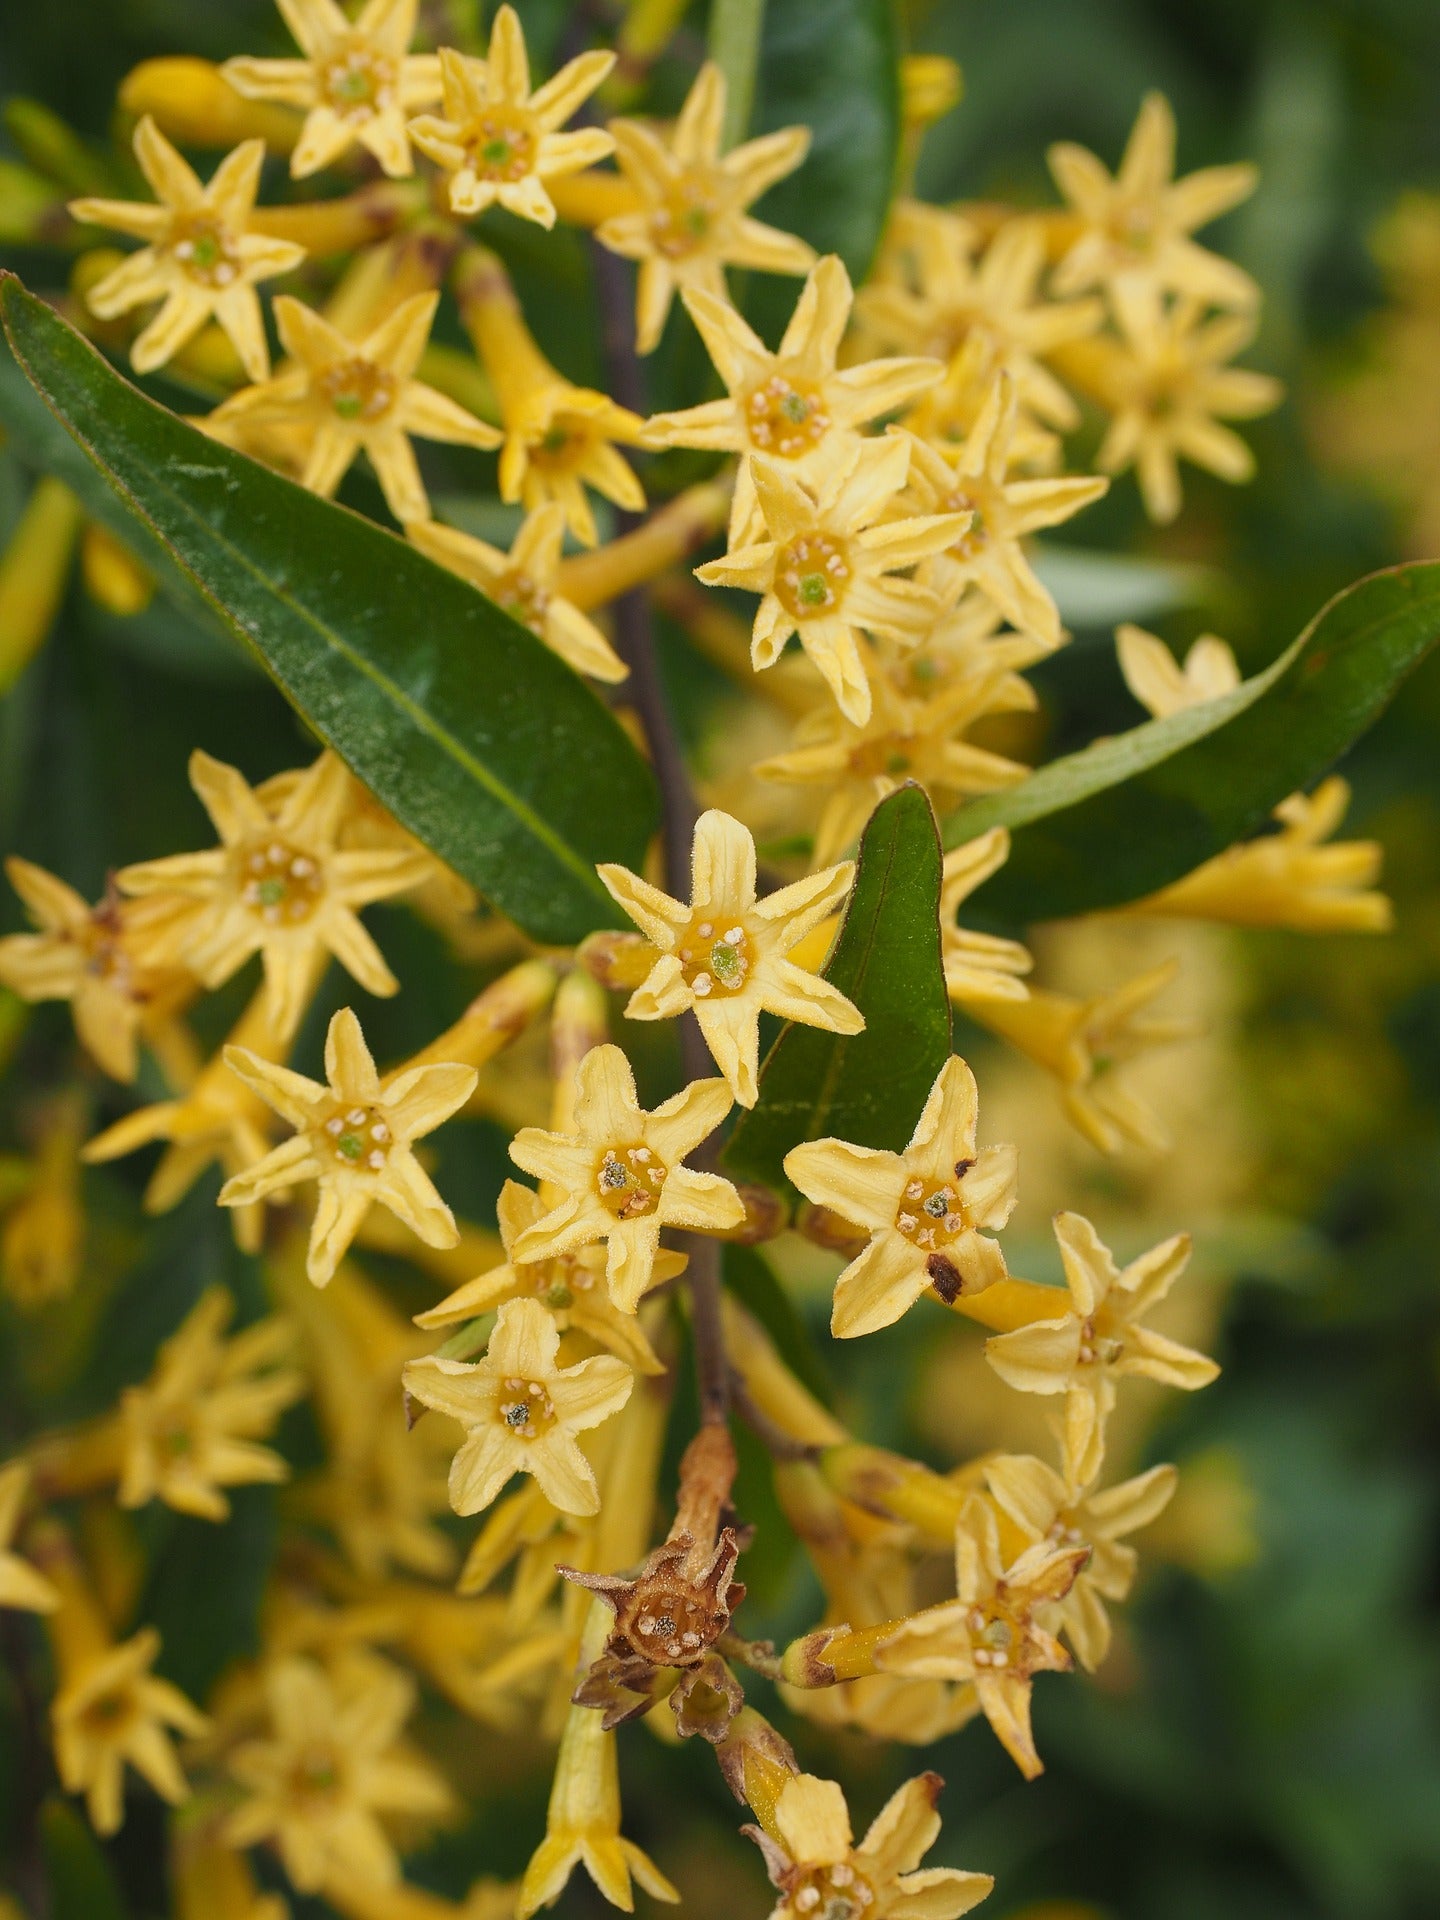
point(1265, 1745)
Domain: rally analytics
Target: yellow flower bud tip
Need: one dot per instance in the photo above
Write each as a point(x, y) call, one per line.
point(114, 578)
point(33, 572)
point(193, 103)
point(931, 84)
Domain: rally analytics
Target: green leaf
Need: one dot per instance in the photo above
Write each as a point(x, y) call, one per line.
point(82, 1886)
point(476, 737)
point(870, 1087)
point(1129, 815)
point(832, 66)
point(205, 1587)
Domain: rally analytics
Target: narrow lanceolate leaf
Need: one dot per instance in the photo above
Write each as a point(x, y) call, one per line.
point(832, 66)
point(870, 1087)
point(474, 735)
point(79, 1877)
point(1129, 815)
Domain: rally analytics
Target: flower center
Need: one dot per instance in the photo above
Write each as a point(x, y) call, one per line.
point(671, 1627)
point(281, 885)
point(931, 1213)
point(358, 1137)
point(715, 956)
point(358, 81)
point(316, 1773)
point(835, 1892)
point(975, 536)
point(785, 416)
point(888, 753)
point(523, 599)
point(358, 390)
point(555, 1283)
point(811, 575)
point(501, 143)
point(1098, 1343)
point(628, 1181)
point(526, 1408)
point(686, 222)
point(206, 251)
point(997, 1637)
point(563, 448)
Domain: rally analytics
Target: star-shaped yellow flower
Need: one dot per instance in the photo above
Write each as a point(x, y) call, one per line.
point(1046, 1508)
point(1000, 511)
point(571, 1287)
point(524, 583)
point(722, 957)
point(923, 1208)
point(193, 1427)
point(792, 404)
point(355, 1137)
point(1140, 220)
point(521, 1411)
point(693, 221)
point(1158, 680)
point(278, 885)
point(339, 396)
point(827, 570)
point(621, 1176)
point(1167, 383)
point(903, 739)
point(499, 142)
point(814, 1863)
point(978, 966)
point(1100, 1339)
point(993, 1634)
point(955, 297)
point(1086, 1044)
point(329, 1768)
point(99, 959)
point(200, 258)
point(357, 81)
point(559, 438)
point(20, 1585)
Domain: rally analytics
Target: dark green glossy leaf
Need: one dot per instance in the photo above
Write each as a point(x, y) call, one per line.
point(868, 1088)
point(1129, 815)
point(833, 66)
point(474, 735)
point(81, 1884)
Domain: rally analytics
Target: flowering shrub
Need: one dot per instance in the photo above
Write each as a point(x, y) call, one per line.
point(724, 969)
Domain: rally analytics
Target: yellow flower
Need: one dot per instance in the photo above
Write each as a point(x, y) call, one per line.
point(999, 512)
point(792, 404)
point(1288, 878)
point(1283, 879)
point(813, 1861)
point(218, 1118)
point(1140, 220)
point(1046, 1508)
point(331, 1764)
point(525, 582)
point(354, 1137)
point(1161, 684)
point(903, 739)
point(827, 569)
point(923, 1208)
point(20, 1585)
point(582, 1825)
point(992, 1635)
point(42, 1247)
point(201, 258)
point(357, 81)
point(278, 885)
point(97, 958)
point(1085, 1044)
point(108, 1707)
point(722, 957)
point(571, 1287)
point(945, 415)
point(193, 1427)
point(521, 1412)
point(339, 396)
point(498, 141)
point(1168, 386)
point(978, 966)
point(620, 1175)
point(1099, 1340)
point(559, 438)
point(692, 222)
point(956, 298)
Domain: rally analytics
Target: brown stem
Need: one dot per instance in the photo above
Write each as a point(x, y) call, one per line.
point(635, 640)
